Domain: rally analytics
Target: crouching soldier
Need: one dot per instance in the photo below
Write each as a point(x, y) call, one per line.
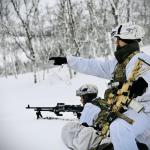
point(81, 135)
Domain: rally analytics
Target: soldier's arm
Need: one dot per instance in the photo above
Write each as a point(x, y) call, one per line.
point(100, 67)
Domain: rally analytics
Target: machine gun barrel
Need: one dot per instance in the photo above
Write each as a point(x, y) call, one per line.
point(40, 108)
point(60, 107)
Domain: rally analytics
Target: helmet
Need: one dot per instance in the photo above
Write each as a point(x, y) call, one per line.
point(87, 89)
point(128, 31)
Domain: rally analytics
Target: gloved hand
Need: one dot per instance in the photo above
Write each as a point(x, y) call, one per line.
point(59, 60)
point(78, 115)
point(85, 124)
point(138, 87)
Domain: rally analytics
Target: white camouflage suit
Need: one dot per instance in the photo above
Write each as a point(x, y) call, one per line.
point(78, 137)
point(122, 134)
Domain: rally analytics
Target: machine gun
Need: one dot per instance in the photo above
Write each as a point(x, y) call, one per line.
point(60, 107)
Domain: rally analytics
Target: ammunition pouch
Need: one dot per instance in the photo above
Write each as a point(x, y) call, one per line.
point(138, 87)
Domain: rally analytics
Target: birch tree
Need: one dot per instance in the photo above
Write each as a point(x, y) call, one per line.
point(24, 12)
point(4, 11)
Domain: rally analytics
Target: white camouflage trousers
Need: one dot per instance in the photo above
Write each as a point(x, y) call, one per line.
point(123, 134)
point(77, 137)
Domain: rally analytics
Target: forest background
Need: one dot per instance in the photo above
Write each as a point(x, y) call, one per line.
point(32, 31)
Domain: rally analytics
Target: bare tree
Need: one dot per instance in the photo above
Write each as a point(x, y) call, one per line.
point(25, 20)
point(3, 37)
point(114, 4)
point(129, 7)
point(72, 26)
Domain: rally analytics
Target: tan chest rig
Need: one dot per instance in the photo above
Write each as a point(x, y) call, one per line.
point(119, 77)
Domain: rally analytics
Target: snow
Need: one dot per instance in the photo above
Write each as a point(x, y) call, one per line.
point(19, 129)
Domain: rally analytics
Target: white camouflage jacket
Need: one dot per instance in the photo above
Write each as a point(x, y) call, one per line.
point(104, 67)
point(74, 135)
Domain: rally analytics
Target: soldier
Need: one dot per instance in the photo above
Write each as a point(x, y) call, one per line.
point(76, 135)
point(126, 38)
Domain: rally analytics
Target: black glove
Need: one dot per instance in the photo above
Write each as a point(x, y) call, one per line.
point(78, 115)
point(138, 87)
point(59, 60)
point(85, 124)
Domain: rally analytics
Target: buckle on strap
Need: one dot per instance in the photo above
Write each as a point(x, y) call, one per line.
point(113, 84)
point(136, 106)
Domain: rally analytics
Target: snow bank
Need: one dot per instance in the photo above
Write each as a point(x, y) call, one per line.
point(19, 129)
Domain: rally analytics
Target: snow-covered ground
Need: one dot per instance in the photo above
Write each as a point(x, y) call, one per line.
point(19, 129)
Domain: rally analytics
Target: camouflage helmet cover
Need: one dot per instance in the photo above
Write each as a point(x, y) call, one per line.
point(129, 31)
point(87, 89)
